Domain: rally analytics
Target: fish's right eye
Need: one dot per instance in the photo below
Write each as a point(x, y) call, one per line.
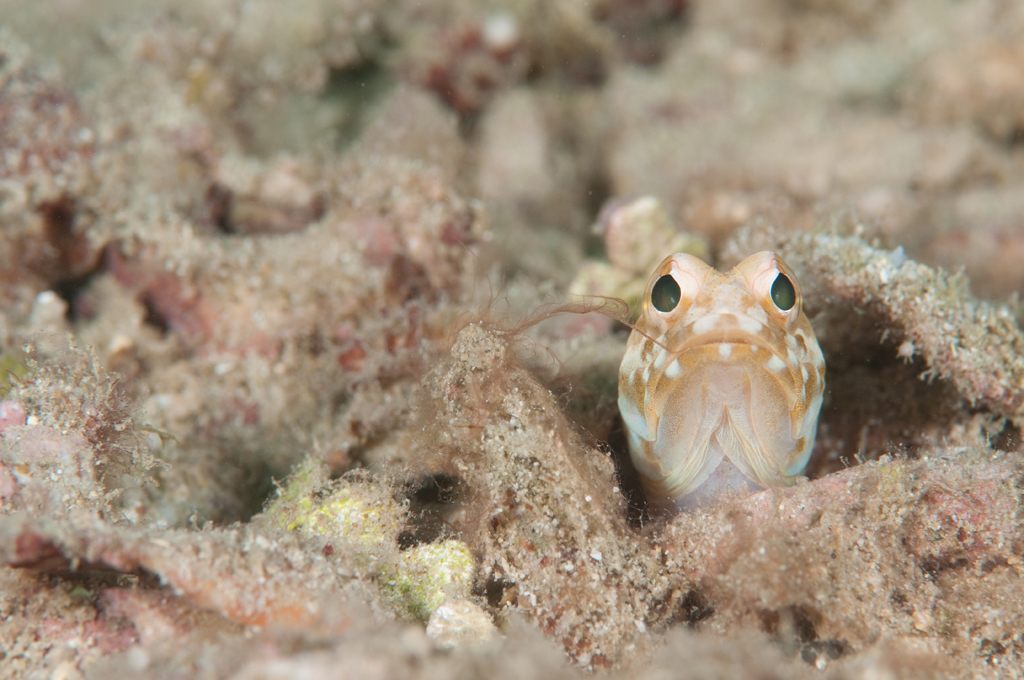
point(665, 294)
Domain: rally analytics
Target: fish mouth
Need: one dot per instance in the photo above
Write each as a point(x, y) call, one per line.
point(729, 336)
point(752, 352)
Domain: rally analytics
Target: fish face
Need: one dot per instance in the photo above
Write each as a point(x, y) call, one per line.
point(722, 378)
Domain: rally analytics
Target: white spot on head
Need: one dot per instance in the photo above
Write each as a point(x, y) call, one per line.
point(647, 374)
point(754, 348)
point(776, 364)
point(748, 325)
point(790, 341)
point(724, 350)
point(674, 370)
point(704, 324)
point(790, 356)
point(803, 372)
point(660, 359)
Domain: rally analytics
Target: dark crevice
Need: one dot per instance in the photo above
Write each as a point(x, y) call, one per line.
point(357, 89)
point(153, 316)
point(73, 290)
point(59, 231)
point(258, 485)
point(822, 650)
point(1008, 439)
point(407, 280)
point(876, 402)
point(795, 631)
point(898, 599)
point(687, 609)
point(216, 210)
point(693, 609)
point(499, 592)
point(990, 649)
point(803, 625)
point(430, 502)
point(70, 262)
point(932, 566)
point(93, 577)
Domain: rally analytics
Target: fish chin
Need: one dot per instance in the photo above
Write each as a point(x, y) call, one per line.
point(724, 481)
point(721, 409)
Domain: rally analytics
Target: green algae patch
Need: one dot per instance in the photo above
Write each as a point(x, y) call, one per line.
point(11, 369)
point(359, 515)
point(890, 477)
point(427, 575)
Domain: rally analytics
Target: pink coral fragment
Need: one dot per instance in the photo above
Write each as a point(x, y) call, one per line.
point(11, 413)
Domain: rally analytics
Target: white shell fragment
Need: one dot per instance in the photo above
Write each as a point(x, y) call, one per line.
point(459, 622)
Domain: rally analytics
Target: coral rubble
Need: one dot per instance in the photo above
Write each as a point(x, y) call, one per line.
point(293, 384)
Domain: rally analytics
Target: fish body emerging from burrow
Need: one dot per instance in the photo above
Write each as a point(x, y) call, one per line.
point(722, 380)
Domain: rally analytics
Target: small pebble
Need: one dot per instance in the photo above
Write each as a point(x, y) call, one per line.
point(459, 622)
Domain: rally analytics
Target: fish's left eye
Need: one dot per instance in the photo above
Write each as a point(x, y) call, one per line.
point(783, 293)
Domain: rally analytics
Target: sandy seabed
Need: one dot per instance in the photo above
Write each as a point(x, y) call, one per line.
point(284, 396)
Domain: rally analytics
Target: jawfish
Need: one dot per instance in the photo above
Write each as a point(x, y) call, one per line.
point(722, 380)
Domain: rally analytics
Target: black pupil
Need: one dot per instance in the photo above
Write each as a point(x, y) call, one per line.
point(665, 294)
point(783, 293)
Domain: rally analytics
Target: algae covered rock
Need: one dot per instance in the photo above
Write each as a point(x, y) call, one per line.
point(361, 516)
